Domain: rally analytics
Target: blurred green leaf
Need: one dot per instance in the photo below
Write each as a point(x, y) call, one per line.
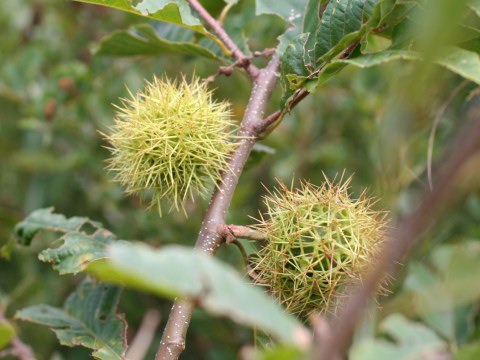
point(411, 341)
point(289, 10)
point(362, 61)
point(143, 40)
point(462, 62)
point(292, 11)
point(382, 57)
point(475, 6)
point(471, 352)
point(258, 155)
point(449, 281)
point(87, 319)
point(282, 353)
point(172, 11)
point(7, 332)
point(176, 271)
point(45, 219)
point(452, 322)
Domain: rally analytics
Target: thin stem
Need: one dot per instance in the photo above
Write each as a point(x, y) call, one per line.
point(242, 59)
point(242, 250)
point(264, 125)
point(431, 138)
point(299, 96)
point(232, 232)
point(209, 239)
point(144, 336)
point(466, 144)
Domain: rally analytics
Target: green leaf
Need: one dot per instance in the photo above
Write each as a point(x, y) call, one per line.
point(460, 61)
point(470, 352)
point(143, 40)
point(454, 284)
point(363, 61)
point(327, 32)
point(7, 332)
point(45, 219)
point(382, 57)
point(177, 271)
point(259, 153)
point(292, 65)
point(7, 248)
point(292, 11)
point(171, 11)
point(465, 34)
point(344, 22)
point(453, 322)
point(412, 341)
point(339, 19)
point(475, 6)
point(287, 10)
point(463, 62)
point(78, 251)
point(443, 291)
point(283, 353)
point(87, 319)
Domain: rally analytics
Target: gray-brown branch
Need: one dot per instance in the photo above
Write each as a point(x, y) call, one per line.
point(209, 238)
point(242, 59)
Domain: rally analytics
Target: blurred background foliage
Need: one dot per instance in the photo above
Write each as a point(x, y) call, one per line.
point(55, 94)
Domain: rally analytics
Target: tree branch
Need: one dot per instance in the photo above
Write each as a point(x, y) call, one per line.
point(209, 239)
point(233, 232)
point(401, 239)
point(242, 59)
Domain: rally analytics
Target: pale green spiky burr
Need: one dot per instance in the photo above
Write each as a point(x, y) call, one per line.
point(172, 140)
point(319, 241)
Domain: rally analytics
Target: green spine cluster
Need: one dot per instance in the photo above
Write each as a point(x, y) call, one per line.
point(172, 140)
point(319, 241)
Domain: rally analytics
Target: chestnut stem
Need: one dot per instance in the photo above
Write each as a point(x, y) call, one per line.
point(209, 238)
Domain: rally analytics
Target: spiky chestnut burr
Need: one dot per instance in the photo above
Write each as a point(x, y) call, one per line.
point(319, 241)
point(172, 140)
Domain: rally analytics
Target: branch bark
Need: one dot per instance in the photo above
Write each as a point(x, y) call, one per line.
point(408, 230)
point(233, 232)
point(242, 59)
point(209, 238)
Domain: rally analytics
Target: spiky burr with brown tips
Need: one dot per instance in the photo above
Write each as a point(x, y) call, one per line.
point(172, 141)
point(319, 241)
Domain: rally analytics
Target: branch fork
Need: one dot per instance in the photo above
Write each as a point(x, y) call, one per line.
point(234, 232)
